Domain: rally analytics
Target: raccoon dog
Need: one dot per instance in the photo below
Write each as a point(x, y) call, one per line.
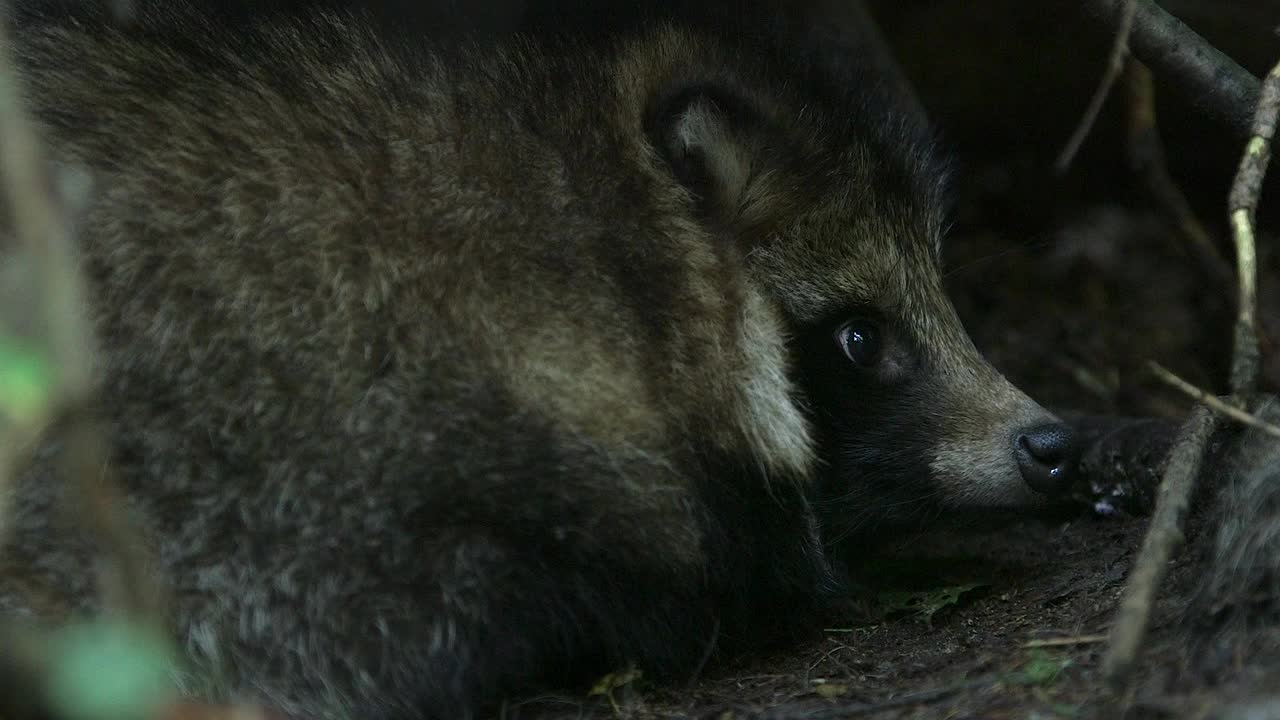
point(442, 371)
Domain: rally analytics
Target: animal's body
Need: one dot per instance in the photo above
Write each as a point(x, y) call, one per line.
point(436, 372)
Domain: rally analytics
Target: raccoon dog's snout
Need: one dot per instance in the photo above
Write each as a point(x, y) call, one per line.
point(1046, 457)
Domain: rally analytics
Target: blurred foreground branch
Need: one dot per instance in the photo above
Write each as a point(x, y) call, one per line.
point(107, 669)
point(61, 340)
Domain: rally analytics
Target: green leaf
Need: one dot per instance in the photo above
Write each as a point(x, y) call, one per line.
point(1041, 669)
point(924, 604)
point(109, 670)
point(607, 684)
point(26, 381)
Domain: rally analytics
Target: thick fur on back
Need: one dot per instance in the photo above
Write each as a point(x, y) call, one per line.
point(425, 380)
point(1235, 612)
point(438, 372)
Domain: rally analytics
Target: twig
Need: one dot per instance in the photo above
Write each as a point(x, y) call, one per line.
point(1146, 155)
point(1166, 532)
point(828, 711)
point(1184, 461)
point(1214, 403)
point(1065, 641)
point(1119, 51)
point(1202, 75)
point(1243, 206)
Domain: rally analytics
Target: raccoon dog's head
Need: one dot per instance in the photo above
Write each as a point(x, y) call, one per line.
point(839, 206)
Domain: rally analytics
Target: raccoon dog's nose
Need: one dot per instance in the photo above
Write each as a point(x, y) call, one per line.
point(1046, 456)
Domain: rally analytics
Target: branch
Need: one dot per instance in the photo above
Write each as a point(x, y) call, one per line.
point(1213, 403)
point(1201, 74)
point(1164, 535)
point(1243, 205)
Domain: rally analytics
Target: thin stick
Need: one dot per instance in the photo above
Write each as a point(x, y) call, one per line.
point(828, 711)
point(1146, 153)
point(1243, 206)
point(1214, 403)
point(1119, 51)
point(43, 235)
point(1165, 534)
point(1066, 641)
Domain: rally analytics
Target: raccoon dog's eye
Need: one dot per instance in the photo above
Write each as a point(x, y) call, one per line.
point(859, 339)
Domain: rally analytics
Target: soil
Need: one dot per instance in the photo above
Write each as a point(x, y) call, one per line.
point(1070, 284)
point(1054, 584)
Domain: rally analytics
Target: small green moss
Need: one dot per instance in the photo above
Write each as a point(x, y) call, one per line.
point(1041, 668)
point(923, 604)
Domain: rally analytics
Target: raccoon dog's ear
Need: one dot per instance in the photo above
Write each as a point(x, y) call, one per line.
point(716, 144)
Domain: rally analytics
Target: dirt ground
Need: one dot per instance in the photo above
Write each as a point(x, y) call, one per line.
point(1070, 285)
point(1025, 643)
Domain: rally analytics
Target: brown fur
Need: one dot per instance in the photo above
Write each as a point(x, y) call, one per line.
point(439, 373)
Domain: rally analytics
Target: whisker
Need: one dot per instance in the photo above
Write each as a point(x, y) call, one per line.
point(1028, 247)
